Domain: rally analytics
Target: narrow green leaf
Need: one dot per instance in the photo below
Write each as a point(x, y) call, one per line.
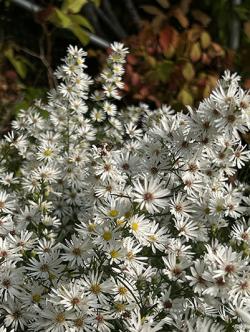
point(16, 62)
point(60, 19)
point(81, 20)
point(73, 6)
point(80, 34)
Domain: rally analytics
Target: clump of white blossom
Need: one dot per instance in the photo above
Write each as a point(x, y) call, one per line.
point(121, 218)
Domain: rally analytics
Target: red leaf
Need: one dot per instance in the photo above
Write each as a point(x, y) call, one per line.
point(168, 38)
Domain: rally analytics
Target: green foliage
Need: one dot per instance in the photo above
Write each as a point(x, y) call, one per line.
point(73, 6)
point(68, 18)
point(20, 63)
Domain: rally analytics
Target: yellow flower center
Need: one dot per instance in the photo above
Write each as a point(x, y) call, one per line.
point(47, 152)
point(113, 213)
point(60, 318)
point(122, 290)
point(219, 208)
point(91, 227)
point(130, 255)
point(36, 298)
point(152, 238)
point(135, 226)
point(107, 235)
point(95, 288)
point(79, 322)
point(119, 306)
point(114, 253)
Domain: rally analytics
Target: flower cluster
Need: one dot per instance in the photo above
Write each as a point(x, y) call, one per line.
point(125, 219)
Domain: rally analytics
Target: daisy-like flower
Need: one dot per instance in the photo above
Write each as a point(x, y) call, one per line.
point(197, 280)
point(80, 322)
point(241, 288)
point(137, 323)
point(139, 226)
point(16, 315)
point(241, 232)
point(97, 115)
point(77, 251)
point(7, 205)
point(180, 206)
point(132, 248)
point(174, 267)
point(23, 241)
point(7, 251)
point(118, 49)
point(240, 156)
point(110, 109)
point(150, 195)
point(186, 228)
point(101, 321)
point(157, 237)
point(47, 267)
point(11, 282)
point(73, 297)
point(94, 285)
point(52, 319)
point(115, 252)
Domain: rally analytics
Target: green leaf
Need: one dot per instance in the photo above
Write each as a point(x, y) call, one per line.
point(188, 71)
point(60, 19)
point(185, 97)
point(242, 12)
point(16, 62)
point(73, 6)
point(205, 40)
point(81, 20)
point(80, 34)
point(164, 70)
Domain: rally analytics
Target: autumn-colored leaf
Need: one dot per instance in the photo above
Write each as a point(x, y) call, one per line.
point(163, 3)
point(195, 53)
point(213, 79)
point(184, 5)
point(181, 18)
point(201, 17)
point(247, 84)
point(185, 97)
point(205, 40)
point(206, 91)
point(188, 71)
point(168, 39)
point(132, 59)
point(135, 79)
point(152, 10)
point(205, 58)
point(218, 49)
point(194, 34)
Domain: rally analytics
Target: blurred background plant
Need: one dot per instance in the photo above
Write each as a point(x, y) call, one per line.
point(178, 48)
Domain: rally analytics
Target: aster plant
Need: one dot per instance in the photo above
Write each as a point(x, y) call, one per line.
point(122, 218)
